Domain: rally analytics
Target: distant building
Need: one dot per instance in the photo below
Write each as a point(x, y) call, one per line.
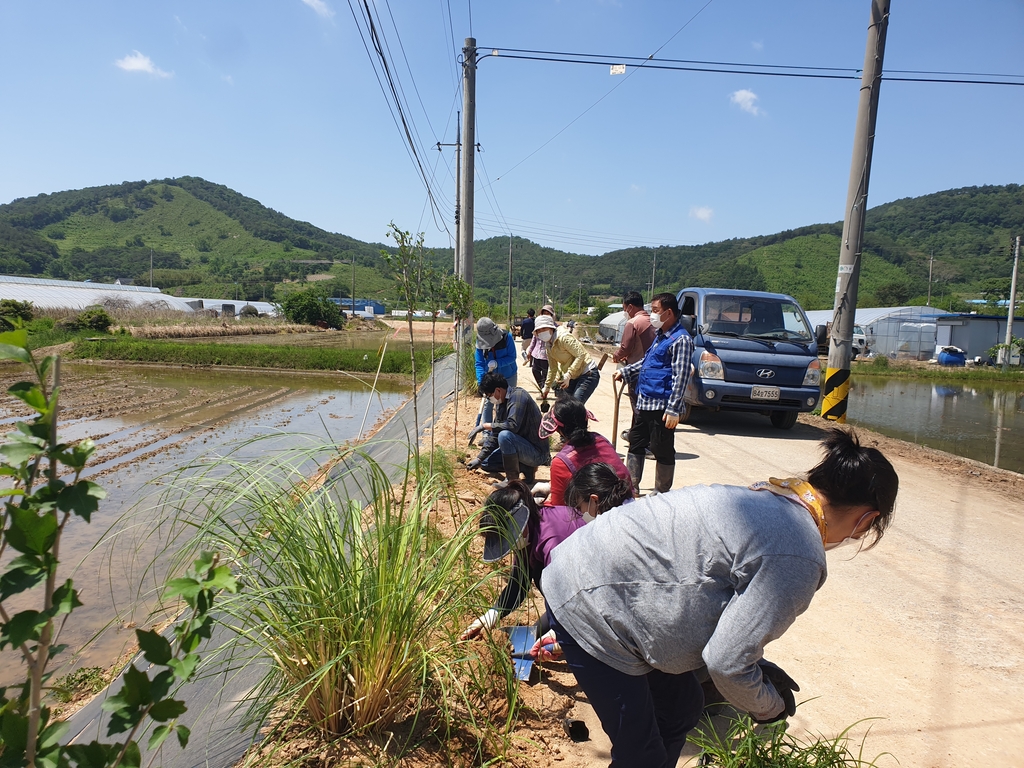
point(975, 334)
point(74, 295)
point(901, 333)
point(362, 306)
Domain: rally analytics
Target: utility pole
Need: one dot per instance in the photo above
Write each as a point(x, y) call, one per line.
point(1013, 300)
point(510, 281)
point(352, 305)
point(468, 166)
point(931, 260)
point(579, 307)
point(837, 372)
point(150, 267)
point(458, 184)
point(653, 270)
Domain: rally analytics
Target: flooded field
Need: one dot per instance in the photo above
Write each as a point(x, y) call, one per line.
point(981, 422)
point(149, 421)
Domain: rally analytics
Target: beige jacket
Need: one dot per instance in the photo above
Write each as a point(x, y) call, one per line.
point(566, 355)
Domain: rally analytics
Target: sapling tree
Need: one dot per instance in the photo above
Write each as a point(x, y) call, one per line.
point(44, 489)
point(460, 296)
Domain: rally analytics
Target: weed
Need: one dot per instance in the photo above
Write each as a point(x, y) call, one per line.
point(85, 681)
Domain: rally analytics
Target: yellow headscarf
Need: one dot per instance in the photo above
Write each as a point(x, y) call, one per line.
point(801, 492)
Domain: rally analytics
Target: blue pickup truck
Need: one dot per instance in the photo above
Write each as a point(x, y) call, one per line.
point(753, 351)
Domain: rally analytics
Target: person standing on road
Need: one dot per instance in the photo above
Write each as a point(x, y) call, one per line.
point(570, 366)
point(526, 330)
point(513, 441)
point(537, 353)
point(660, 380)
point(637, 337)
point(707, 575)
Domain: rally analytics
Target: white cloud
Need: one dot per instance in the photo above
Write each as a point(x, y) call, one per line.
point(322, 9)
point(757, 45)
point(702, 212)
point(745, 100)
point(228, 79)
point(636, 189)
point(137, 62)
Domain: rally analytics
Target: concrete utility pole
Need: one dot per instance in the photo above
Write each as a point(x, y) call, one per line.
point(837, 373)
point(931, 261)
point(510, 281)
point(469, 162)
point(1013, 300)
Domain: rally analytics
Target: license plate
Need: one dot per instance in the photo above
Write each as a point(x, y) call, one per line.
point(764, 393)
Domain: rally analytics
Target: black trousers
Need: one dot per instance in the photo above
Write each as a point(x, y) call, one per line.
point(649, 430)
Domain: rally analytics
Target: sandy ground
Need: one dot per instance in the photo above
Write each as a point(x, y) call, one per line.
point(923, 633)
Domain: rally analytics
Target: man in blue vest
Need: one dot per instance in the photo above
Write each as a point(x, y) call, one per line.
point(659, 381)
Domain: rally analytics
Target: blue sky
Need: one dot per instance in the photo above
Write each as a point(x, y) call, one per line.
point(279, 101)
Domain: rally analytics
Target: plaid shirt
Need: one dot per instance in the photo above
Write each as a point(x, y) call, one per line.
point(680, 351)
point(519, 414)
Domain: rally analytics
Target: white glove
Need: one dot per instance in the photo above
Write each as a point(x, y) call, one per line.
point(487, 621)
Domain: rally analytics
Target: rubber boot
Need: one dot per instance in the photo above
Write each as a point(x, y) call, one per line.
point(664, 474)
point(511, 461)
point(530, 476)
point(635, 465)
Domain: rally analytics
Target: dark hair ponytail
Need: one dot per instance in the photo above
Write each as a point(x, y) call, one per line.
point(599, 480)
point(852, 475)
point(572, 415)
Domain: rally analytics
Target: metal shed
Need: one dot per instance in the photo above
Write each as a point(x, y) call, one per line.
point(975, 334)
point(69, 294)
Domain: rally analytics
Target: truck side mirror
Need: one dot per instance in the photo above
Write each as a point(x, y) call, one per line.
point(821, 333)
point(689, 322)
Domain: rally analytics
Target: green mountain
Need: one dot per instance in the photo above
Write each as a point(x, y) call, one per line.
point(207, 240)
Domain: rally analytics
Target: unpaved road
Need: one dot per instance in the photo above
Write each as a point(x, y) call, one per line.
point(925, 632)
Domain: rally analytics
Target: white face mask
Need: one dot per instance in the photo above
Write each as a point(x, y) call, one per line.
point(837, 544)
point(588, 518)
point(546, 336)
point(656, 320)
point(493, 400)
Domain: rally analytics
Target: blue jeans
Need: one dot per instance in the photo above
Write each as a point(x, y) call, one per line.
point(646, 717)
point(512, 444)
point(583, 387)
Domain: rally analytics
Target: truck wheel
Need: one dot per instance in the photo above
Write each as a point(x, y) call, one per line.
point(783, 419)
point(684, 415)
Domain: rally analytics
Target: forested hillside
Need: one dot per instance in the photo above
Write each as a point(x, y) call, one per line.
point(206, 240)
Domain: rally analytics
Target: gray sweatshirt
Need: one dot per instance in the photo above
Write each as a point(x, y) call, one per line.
point(700, 575)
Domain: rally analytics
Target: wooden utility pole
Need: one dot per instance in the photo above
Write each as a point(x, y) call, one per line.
point(1013, 300)
point(837, 373)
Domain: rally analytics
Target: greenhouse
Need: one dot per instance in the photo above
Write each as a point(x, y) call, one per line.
point(67, 294)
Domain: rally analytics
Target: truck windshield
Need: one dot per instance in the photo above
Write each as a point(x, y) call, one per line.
point(756, 318)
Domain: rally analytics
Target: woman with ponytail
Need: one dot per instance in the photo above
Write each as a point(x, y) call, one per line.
point(705, 575)
point(570, 419)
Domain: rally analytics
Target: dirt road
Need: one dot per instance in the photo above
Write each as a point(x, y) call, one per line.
point(924, 632)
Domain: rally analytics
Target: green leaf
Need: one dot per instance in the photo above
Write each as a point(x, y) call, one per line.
point(221, 578)
point(14, 730)
point(31, 533)
point(21, 449)
point(65, 599)
point(155, 646)
point(82, 499)
point(161, 685)
point(52, 734)
point(77, 455)
point(132, 756)
point(31, 395)
point(92, 755)
point(183, 734)
point(22, 627)
point(184, 667)
point(18, 580)
point(168, 709)
point(183, 587)
point(158, 737)
point(13, 346)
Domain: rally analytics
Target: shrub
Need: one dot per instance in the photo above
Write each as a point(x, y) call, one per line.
point(248, 311)
point(94, 319)
point(880, 362)
point(311, 307)
point(23, 310)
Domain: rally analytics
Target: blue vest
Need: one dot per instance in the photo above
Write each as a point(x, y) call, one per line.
point(656, 370)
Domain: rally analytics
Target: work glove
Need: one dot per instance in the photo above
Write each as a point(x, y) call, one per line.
point(473, 463)
point(784, 685)
point(474, 432)
point(486, 621)
point(546, 648)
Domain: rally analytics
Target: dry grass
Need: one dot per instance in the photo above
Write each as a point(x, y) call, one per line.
point(213, 328)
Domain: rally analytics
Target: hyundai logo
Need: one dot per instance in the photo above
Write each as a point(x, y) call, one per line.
point(766, 373)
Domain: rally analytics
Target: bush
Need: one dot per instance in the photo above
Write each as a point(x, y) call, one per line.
point(312, 307)
point(94, 319)
point(881, 362)
point(22, 310)
point(248, 311)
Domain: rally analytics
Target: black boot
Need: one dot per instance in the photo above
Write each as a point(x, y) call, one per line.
point(635, 465)
point(529, 474)
point(511, 461)
point(664, 474)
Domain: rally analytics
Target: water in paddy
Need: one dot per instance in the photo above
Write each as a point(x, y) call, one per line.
point(984, 422)
point(149, 421)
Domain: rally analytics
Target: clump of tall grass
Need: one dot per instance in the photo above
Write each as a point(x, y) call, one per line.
point(353, 598)
point(746, 745)
point(194, 330)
